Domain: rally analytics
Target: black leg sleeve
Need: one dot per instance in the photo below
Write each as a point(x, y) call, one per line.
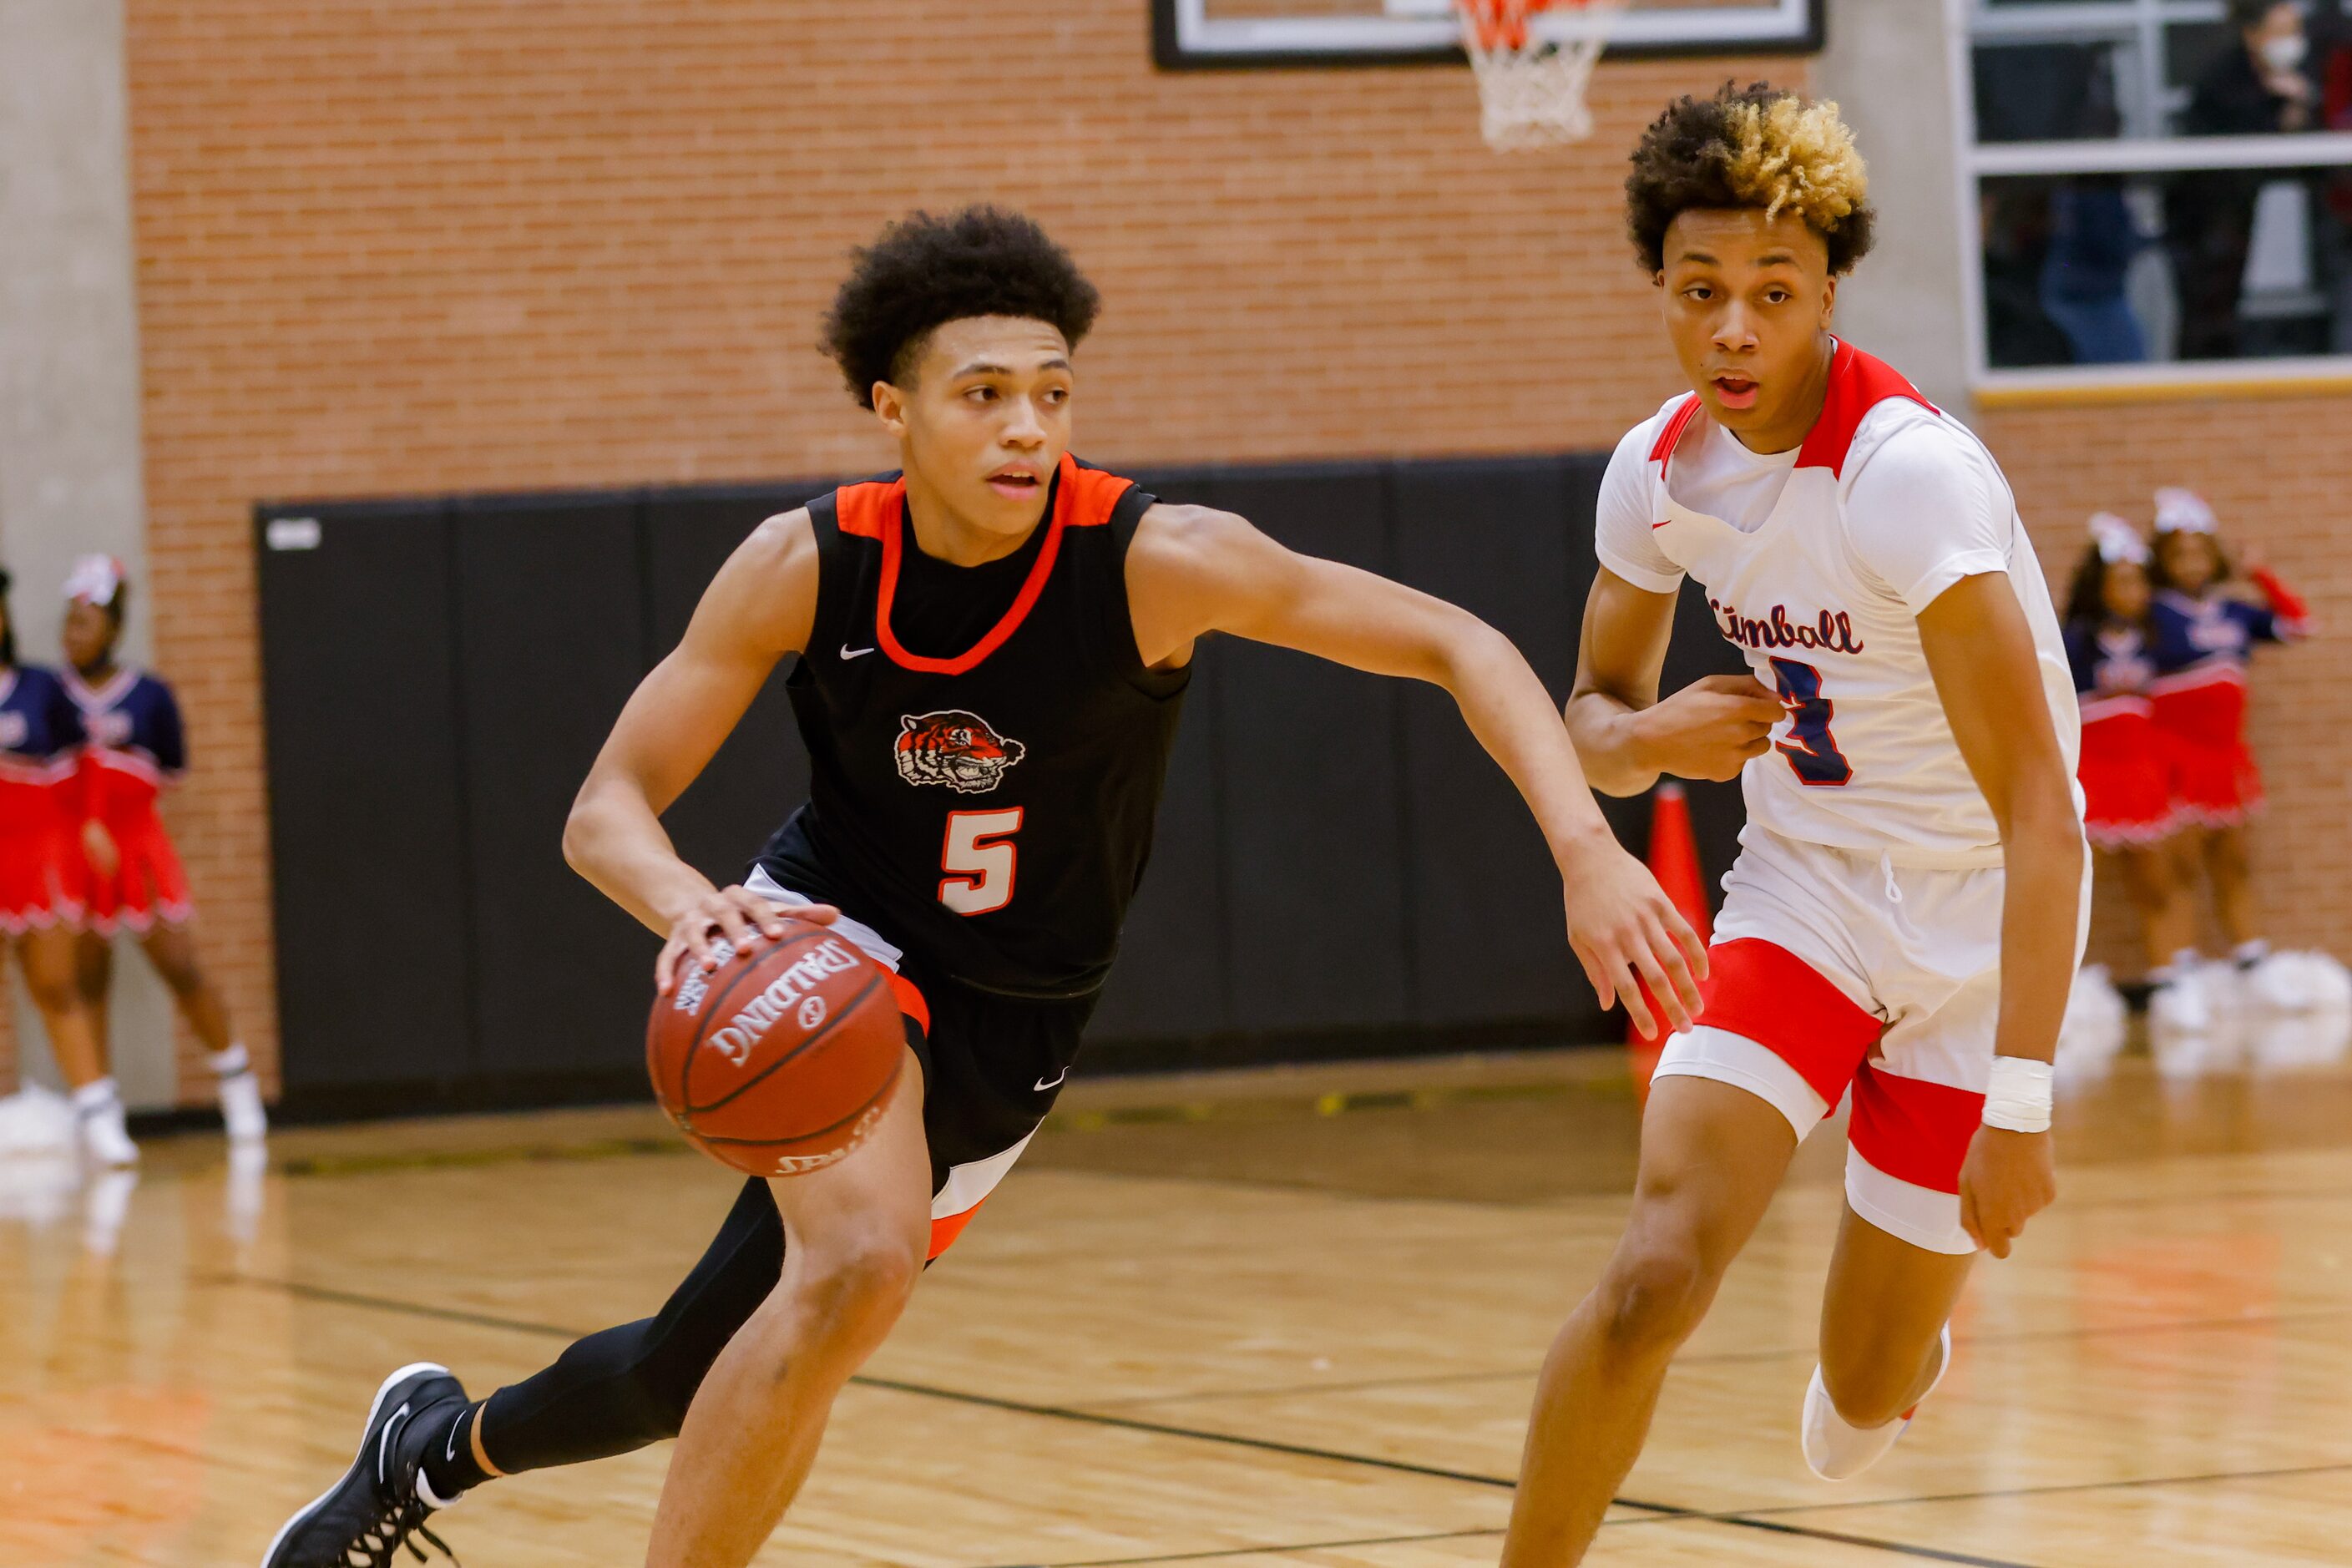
point(625, 1388)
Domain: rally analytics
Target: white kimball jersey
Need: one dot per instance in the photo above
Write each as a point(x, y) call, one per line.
point(1816, 564)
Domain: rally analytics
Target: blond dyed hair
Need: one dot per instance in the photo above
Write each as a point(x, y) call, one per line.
point(1757, 146)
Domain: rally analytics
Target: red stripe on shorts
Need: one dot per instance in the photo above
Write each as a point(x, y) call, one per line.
point(1912, 1130)
point(910, 1000)
point(945, 1231)
point(1766, 993)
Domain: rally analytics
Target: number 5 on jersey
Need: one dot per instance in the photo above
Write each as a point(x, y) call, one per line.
point(980, 846)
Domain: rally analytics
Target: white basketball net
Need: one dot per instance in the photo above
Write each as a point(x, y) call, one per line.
point(1531, 91)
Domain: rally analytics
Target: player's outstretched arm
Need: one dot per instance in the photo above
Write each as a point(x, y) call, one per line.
point(1194, 571)
point(756, 611)
point(1980, 651)
point(1623, 734)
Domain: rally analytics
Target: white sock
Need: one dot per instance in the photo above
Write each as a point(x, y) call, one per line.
point(230, 1062)
point(94, 1096)
point(2249, 953)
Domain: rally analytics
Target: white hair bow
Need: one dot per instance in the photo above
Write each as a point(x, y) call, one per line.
point(94, 578)
point(2118, 540)
point(2183, 512)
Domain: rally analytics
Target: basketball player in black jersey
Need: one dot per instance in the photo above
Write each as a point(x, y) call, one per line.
point(991, 648)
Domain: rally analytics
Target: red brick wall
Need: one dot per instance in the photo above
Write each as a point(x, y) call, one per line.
point(2279, 471)
point(441, 245)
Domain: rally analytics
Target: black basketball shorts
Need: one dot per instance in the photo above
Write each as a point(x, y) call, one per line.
point(992, 1065)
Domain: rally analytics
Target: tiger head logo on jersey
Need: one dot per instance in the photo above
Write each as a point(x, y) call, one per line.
point(960, 749)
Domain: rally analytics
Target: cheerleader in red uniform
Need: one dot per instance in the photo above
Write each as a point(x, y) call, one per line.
point(2130, 811)
point(135, 750)
point(42, 883)
point(2205, 624)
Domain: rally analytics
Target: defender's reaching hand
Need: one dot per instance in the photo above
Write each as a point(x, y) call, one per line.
point(1621, 923)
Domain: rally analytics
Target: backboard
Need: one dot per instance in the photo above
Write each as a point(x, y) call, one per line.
point(1214, 34)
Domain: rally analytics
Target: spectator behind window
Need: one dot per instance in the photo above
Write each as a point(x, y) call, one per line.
point(2256, 85)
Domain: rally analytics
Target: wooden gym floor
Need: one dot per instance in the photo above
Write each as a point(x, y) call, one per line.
point(1287, 1318)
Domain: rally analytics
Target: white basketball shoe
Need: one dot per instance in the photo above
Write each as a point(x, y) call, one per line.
point(1836, 1451)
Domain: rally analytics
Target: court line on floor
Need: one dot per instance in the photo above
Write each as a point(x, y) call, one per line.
point(1159, 1429)
point(1265, 1550)
point(1724, 1358)
point(1779, 1510)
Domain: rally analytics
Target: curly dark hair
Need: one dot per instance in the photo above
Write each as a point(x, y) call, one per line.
point(1754, 146)
point(2086, 595)
point(926, 272)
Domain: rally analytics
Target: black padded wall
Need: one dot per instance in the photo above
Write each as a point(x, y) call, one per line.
point(551, 613)
point(1339, 867)
point(367, 797)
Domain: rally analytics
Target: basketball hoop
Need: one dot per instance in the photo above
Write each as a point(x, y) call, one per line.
point(1531, 91)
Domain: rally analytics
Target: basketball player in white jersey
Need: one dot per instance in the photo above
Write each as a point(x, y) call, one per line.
point(1906, 915)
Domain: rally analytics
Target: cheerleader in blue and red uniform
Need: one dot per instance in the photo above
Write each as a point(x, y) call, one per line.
point(136, 751)
point(42, 882)
point(2127, 779)
point(2205, 625)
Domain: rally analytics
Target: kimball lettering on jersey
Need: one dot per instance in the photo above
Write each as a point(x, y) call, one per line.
point(1829, 633)
point(792, 992)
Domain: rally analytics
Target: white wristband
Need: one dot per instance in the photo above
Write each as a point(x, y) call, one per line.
point(2018, 1098)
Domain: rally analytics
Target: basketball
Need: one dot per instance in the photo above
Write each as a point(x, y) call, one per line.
point(780, 1061)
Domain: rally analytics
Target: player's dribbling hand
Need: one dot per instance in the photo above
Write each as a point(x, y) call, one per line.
point(1621, 924)
point(2006, 1180)
point(735, 916)
point(1710, 728)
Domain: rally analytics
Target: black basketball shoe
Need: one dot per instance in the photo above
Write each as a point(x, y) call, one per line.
point(379, 1505)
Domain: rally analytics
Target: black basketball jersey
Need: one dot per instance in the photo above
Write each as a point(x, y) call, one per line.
point(987, 748)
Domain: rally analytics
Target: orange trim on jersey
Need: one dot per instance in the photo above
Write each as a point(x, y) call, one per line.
point(1083, 498)
point(945, 1231)
point(863, 509)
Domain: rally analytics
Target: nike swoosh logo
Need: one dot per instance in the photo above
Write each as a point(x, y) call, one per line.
point(849, 652)
point(1042, 1085)
point(449, 1453)
point(383, 1448)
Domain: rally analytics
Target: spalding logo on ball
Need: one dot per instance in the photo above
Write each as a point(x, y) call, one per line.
point(783, 1058)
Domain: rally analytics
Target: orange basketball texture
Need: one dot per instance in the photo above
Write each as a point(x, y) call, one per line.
point(780, 1061)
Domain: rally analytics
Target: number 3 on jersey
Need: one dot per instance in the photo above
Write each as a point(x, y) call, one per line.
point(1810, 749)
point(980, 846)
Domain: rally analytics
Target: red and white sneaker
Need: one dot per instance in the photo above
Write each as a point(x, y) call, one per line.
point(1838, 1452)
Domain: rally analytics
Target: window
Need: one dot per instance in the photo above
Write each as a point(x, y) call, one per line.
point(2158, 189)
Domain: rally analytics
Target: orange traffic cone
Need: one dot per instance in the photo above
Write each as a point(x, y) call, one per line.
point(1673, 862)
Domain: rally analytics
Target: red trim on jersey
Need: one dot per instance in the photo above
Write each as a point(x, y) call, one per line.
point(1661, 451)
point(1762, 992)
point(1912, 1130)
point(1083, 498)
point(1858, 383)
